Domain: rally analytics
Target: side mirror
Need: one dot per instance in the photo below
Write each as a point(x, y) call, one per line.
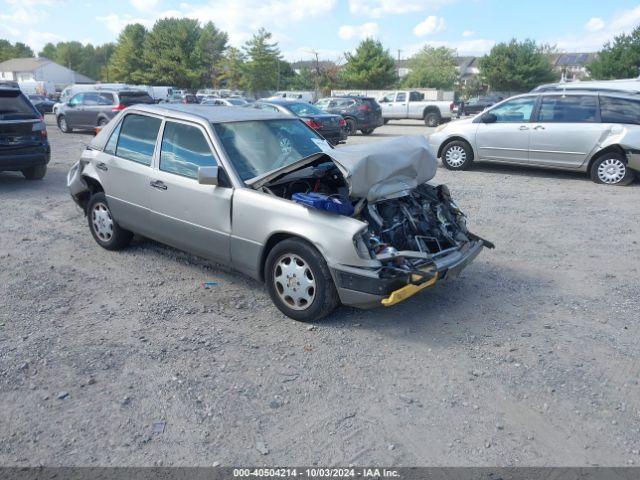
point(209, 175)
point(488, 117)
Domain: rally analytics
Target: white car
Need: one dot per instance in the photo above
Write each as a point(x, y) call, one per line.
point(585, 131)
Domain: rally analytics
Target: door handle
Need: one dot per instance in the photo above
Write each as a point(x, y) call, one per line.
point(158, 184)
point(538, 127)
point(522, 127)
point(102, 166)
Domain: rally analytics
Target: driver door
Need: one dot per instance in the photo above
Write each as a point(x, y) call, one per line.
point(507, 139)
point(185, 214)
point(73, 112)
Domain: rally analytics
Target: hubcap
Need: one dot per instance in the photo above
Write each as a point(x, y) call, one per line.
point(294, 282)
point(455, 156)
point(611, 171)
point(63, 124)
point(102, 222)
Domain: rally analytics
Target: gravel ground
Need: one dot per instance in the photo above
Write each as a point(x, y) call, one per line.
point(530, 357)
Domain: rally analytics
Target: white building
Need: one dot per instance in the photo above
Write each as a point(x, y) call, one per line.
point(40, 70)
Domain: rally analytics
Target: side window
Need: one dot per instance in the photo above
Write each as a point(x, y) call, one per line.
point(105, 99)
point(401, 97)
point(184, 149)
point(269, 108)
point(111, 145)
point(137, 140)
point(76, 99)
point(619, 110)
point(568, 109)
point(415, 97)
point(517, 110)
point(90, 99)
point(388, 98)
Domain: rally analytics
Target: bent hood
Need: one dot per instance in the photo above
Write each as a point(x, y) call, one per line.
point(381, 169)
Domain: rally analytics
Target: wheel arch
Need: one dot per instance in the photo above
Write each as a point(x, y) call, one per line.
point(431, 109)
point(455, 138)
point(616, 148)
point(93, 186)
point(275, 239)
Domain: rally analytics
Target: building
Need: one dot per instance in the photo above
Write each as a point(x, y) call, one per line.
point(40, 70)
point(572, 66)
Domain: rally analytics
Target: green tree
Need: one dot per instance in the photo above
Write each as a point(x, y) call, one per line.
point(49, 51)
point(70, 54)
point(126, 64)
point(232, 71)
point(210, 48)
point(103, 55)
point(262, 62)
point(517, 66)
point(620, 59)
point(9, 50)
point(20, 50)
point(371, 66)
point(170, 53)
point(433, 68)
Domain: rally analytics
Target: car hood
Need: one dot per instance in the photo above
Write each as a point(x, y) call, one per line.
point(374, 171)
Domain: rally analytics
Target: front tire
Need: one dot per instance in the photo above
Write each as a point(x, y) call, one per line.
point(299, 281)
point(432, 119)
point(611, 169)
point(457, 155)
point(105, 230)
point(352, 128)
point(35, 173)
point(367, 131)
point(102, 122)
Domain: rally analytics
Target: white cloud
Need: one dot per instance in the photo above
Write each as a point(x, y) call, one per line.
point(626, 20)
point(468, 33)
point(595, 24)
point(116, 23)
point(430, 25)
point(25, 12)
point(366, 30)
point(378, 8)
point(144, 5)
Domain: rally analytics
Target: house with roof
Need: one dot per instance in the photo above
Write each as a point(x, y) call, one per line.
point(572, 66)
point(40, 69)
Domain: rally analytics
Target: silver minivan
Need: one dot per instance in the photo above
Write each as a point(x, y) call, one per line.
point(586, 131)
point(264, 193)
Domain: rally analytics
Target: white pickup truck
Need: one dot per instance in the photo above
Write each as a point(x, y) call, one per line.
point(409, 104)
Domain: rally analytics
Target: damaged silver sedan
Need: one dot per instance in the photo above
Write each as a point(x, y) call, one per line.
point(266, 195)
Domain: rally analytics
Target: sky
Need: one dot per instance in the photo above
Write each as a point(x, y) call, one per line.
point(332, 27)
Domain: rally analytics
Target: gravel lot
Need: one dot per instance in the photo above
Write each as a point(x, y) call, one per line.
point(530, 357)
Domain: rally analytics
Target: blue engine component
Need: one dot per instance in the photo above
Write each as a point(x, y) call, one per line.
point(323, 202)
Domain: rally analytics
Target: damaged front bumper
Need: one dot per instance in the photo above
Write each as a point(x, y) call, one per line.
point(363, 288)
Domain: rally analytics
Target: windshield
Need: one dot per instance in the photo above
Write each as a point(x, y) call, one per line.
point(236, 101)
point(260, 146)
point(302, 109)
point(14, 106)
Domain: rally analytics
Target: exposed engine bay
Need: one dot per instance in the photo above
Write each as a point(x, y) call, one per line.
point(405, 232)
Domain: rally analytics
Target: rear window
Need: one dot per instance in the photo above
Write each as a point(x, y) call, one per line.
point(302, 109)
point(14, 106)
point(372, 103)
point(619, 110)
point(131, 98)
point(568, 109)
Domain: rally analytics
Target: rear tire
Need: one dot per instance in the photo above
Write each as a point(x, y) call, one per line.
point(299, 281)
point(611, 169)
point(432, 119)
point(102, 122)
point(63, 126)
point(35, 173)
point(367, 131)
point(105, 230)
point(457, 155)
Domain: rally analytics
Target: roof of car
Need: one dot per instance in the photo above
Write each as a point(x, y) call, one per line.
point(283, 101)
point(214, 115)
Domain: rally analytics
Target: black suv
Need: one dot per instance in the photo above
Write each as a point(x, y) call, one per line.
point(95, 108)
point(360, 113)
point(24, 145)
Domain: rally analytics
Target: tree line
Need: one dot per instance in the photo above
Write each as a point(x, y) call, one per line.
point(182, 53)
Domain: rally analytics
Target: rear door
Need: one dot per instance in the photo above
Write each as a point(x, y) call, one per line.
point(88, 116)
point(125, 170)
point(184, 213)
point(566, 131)
point(507, 139)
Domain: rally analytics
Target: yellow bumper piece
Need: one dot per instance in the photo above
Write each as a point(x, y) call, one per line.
point(407, 291)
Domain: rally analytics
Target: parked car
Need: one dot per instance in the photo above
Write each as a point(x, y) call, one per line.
point(24, 146)
point(224, 102)
point(406, 105)
point(332, 127)
point(320, 226)
point(42, 103)
point(479, 104)
point(359, 113)
point(592, 132)
point(628, 85)
point(185, 98)
point(96, 108)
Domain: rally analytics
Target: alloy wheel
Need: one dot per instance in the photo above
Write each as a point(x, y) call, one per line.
point(294, 281)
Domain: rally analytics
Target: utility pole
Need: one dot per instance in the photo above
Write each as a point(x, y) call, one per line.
point(398, 62)
point(317, 72)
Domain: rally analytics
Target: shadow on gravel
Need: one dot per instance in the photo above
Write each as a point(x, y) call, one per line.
point(15, 182)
